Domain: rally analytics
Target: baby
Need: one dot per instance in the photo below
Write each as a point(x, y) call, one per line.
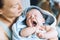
point(35, 24)
point(34, 21)
point(31, 25)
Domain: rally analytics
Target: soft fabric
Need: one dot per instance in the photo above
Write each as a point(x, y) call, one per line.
point(21, 23)
point(8, 31)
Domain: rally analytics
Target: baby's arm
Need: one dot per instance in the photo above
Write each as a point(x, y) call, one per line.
point(27, 31)
point(30, 21)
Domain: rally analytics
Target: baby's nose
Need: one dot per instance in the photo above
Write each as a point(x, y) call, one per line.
point(32, 16)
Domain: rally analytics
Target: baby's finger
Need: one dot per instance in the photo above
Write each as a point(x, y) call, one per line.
point(39, 35)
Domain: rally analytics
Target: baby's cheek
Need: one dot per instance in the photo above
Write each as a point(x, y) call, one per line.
point(42, 20)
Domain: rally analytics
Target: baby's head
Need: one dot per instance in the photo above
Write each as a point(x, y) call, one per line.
point(34, 17)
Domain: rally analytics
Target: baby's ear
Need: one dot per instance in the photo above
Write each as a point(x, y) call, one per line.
point(1, 12)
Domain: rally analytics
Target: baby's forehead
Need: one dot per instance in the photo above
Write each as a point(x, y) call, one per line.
point(34, 12)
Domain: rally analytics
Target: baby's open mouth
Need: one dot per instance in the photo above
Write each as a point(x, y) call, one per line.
point(34, 23)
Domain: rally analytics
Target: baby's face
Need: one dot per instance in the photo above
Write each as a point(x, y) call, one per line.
point(34, 17)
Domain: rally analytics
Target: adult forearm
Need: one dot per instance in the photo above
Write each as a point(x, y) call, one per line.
point(51, 34)
point(56, 38)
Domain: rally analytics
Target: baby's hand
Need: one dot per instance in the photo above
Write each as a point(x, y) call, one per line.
point(40, 35)
point(47, 27)
point(40, 27)
point(40, 31)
